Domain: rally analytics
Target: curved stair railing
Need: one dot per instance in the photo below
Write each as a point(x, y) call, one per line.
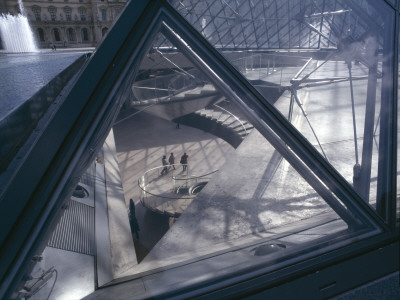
point(173, 196)
point(226, 118)
point(235, 117)
point(163, 88)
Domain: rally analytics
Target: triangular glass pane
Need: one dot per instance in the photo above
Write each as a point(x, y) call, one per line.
point(318, 63)
point(240, 188)
point(245, 192)
point(233, 192)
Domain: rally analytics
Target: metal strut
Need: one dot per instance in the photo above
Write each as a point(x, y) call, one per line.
point(354, 116)
point(294, 93)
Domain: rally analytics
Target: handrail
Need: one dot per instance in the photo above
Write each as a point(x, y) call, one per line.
point(151, 85)
point(143, 187)
point(153, 169)
point(195, 177)
point(227, 111)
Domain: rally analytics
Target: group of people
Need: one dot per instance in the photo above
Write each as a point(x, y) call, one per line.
point(171, 162)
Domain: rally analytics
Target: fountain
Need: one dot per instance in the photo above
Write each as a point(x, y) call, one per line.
point(15, 32)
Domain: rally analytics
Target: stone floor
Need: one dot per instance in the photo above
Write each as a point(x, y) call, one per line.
point(141, 141)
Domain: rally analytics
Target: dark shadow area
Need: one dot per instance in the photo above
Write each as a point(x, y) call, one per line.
point(153, 226)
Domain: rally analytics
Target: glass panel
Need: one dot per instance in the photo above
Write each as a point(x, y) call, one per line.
point(64, 267)
point(398, 148)
point(319, 62)
point(238, 188)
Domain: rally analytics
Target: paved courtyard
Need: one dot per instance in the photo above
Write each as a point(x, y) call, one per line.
point(141, 141)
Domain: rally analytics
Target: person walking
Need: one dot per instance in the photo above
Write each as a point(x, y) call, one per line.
point(184, 161)
point(165, 164)
point(171, 160)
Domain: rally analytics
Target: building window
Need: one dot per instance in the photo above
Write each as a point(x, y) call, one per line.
point(85, 35)
point(41, 34)
point(82, 13)
point(52, 11)
point(104, 31)
point(117, 12)
point(56, 34)
point(103, 15)
point(36, 12)
point(67, 12)
point(71, 34)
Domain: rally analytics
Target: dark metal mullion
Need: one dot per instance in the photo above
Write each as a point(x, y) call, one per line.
point(387, 168)
point(283, 128)
point(392, 5)
point(64, 142)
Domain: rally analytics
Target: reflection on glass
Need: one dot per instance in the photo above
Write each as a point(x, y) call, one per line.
point(398, 155)
point(186, 176)
point(318, 62)
point(251, 194)
point(248, 194)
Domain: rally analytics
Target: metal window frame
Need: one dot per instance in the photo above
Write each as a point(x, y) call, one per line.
point(54, 161)
point(230, 78)
point(68, 143)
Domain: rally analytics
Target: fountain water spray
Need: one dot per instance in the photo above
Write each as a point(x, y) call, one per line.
point(15, 32)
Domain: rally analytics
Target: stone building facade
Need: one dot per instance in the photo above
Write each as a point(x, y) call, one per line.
point(67, 23)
